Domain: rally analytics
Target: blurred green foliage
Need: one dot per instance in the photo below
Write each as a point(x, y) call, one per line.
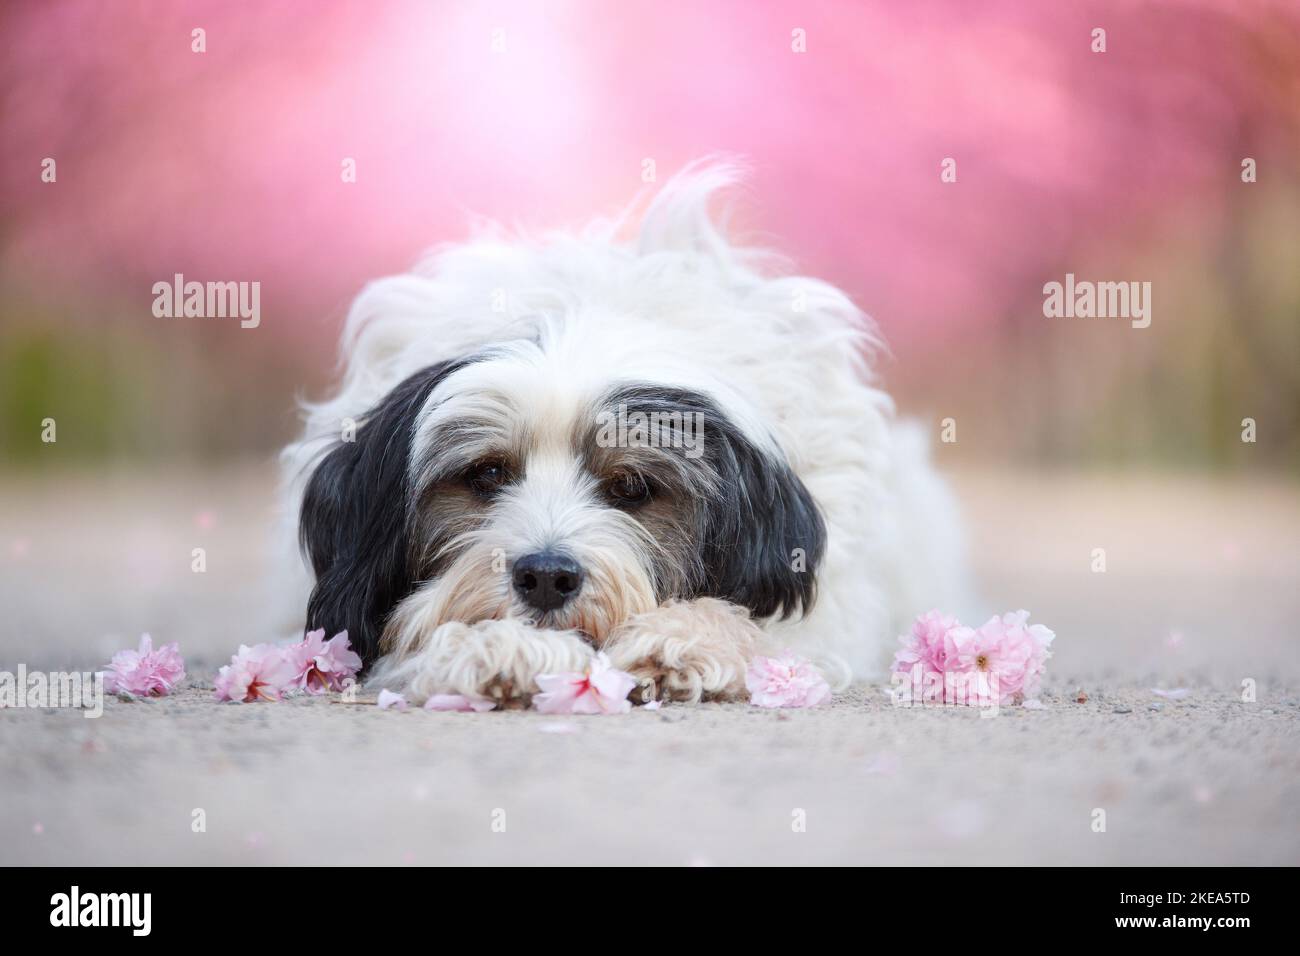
point(122, 390)
point(1223, 346)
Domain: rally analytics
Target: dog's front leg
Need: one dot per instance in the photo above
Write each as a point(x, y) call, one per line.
point(686, 650)
point(498, 660)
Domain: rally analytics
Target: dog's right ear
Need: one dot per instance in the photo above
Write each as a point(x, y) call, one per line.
point(353, 522)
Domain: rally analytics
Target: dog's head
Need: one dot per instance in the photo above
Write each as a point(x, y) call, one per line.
point(511, 483)
point(610, 439)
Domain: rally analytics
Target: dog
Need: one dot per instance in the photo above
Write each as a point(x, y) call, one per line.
point(640, 439)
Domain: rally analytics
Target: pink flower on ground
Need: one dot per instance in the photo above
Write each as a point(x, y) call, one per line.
point(785, 681)
point(1001, 662)
point(601, 690)
point(1005, 657)
point(459, 702)
point(388, 700)
point(321, 665)
point(145, 672)
point(255, 673)
point(925, 645)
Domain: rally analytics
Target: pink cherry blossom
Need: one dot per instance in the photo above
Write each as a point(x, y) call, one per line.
point(785, 681)
point(1017, 628)
point(995, 665)
point(145, 672)
point(926, 643)
point(321, 665)
point(601, 690)
point(1005, 657)
point(1001, 662)
point(255, 673)
point(388, 700)
point(459, 702)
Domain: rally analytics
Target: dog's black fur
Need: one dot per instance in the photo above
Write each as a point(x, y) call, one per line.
point(751, 512)
point(354, 519)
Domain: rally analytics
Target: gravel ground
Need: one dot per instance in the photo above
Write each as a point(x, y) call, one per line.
point(1199, 593)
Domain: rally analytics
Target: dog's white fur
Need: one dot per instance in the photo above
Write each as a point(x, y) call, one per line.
point(787, 357)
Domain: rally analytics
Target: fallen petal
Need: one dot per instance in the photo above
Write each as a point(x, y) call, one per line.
point(389, 700)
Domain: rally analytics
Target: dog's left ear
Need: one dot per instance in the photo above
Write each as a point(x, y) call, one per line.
point(353, 523)
point(764, 536)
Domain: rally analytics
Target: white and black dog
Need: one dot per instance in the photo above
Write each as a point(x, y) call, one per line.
point(640, 439)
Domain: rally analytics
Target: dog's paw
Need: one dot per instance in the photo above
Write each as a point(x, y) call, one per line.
point(503, 689)
point(680, 678)
point(686, 651)
point(497, 660)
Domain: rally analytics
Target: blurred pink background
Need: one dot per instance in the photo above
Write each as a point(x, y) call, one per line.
point(1074, 434)
point(225, 165)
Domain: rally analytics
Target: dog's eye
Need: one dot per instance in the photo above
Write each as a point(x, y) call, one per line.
point(627, 488)
point(486, 477)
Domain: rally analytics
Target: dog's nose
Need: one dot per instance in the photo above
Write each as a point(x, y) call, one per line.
point(546, 580)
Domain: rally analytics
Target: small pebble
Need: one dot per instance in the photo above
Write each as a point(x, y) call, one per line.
point(1122, 710)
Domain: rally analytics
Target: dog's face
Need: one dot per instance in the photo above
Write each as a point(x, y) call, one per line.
point(525, 482)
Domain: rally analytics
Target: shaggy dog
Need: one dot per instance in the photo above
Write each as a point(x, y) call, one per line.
point(640, 439)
